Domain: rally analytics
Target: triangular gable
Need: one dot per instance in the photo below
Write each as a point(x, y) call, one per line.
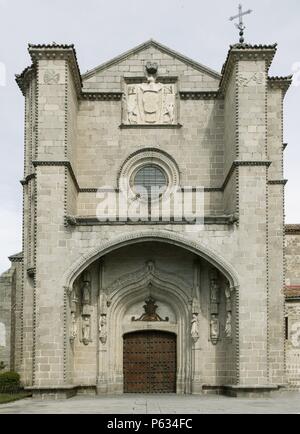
point(151, 43)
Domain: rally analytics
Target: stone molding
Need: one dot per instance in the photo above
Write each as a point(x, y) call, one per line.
point(292, 229)
point(93, 221)
point(149, 126)
point(237, 163)
point(200, 95)
point(282, 83)
point(143, 79)
point(101, 96)
point(16, 258)
point(60, 163)
point(149, 273)
point(25, 78)
point(28, 178)
point(143, 157)
point(278, 182)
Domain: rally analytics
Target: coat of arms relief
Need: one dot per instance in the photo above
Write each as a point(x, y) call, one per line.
point(151, 102)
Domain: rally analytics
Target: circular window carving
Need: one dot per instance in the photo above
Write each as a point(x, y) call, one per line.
point(148, 168)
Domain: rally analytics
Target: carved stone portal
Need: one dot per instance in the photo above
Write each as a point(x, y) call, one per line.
point(150, 312)
point(149, 103)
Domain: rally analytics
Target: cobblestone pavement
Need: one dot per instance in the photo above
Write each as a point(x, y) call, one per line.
point(155, 404)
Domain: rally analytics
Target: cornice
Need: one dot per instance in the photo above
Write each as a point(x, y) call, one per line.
point(27, 179)
point(167, 79)
point(292, 292)
point(245, 52)
point(149, 126)
point(292, 229)
point(101, 96)
point(282, 83)
point(200, 95)
point(94, 221)
point(237, 163)
point(24, 78)
point(18, 257)
point(58, 52)
point(67, 164)
point(278, 182)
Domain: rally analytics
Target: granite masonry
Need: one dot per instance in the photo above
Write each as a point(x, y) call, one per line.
point(192, 289)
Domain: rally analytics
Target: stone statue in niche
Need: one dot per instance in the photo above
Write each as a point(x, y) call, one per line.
point(103, 329)
point(228, 328)
point(214, 329)
point(195, 327)
point(86, 293)
point(103, 303)
point(228, 298)
point(151, 102)
point(73, 328)
point(86, 288)
point(214, 291)
point(86, 329)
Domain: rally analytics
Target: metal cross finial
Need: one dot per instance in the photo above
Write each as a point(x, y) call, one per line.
point(241, 25)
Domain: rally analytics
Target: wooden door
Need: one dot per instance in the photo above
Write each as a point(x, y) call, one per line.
point(149, 362)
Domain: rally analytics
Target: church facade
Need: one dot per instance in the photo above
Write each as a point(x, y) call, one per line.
point(155, 254)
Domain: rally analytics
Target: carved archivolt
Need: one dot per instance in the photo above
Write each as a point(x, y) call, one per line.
point(154, 235)
point(147, 275)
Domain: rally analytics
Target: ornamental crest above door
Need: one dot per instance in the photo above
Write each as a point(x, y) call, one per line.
point(149, 100)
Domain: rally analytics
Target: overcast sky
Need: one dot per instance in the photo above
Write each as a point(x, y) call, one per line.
point(101, 30)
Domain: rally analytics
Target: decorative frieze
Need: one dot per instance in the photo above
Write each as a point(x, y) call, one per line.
point(199, 95)
point(101, 96)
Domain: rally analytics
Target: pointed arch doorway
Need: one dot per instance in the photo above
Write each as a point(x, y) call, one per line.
point(149, 362)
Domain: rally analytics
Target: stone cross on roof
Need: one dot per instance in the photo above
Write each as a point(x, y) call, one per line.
point(241, 25)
